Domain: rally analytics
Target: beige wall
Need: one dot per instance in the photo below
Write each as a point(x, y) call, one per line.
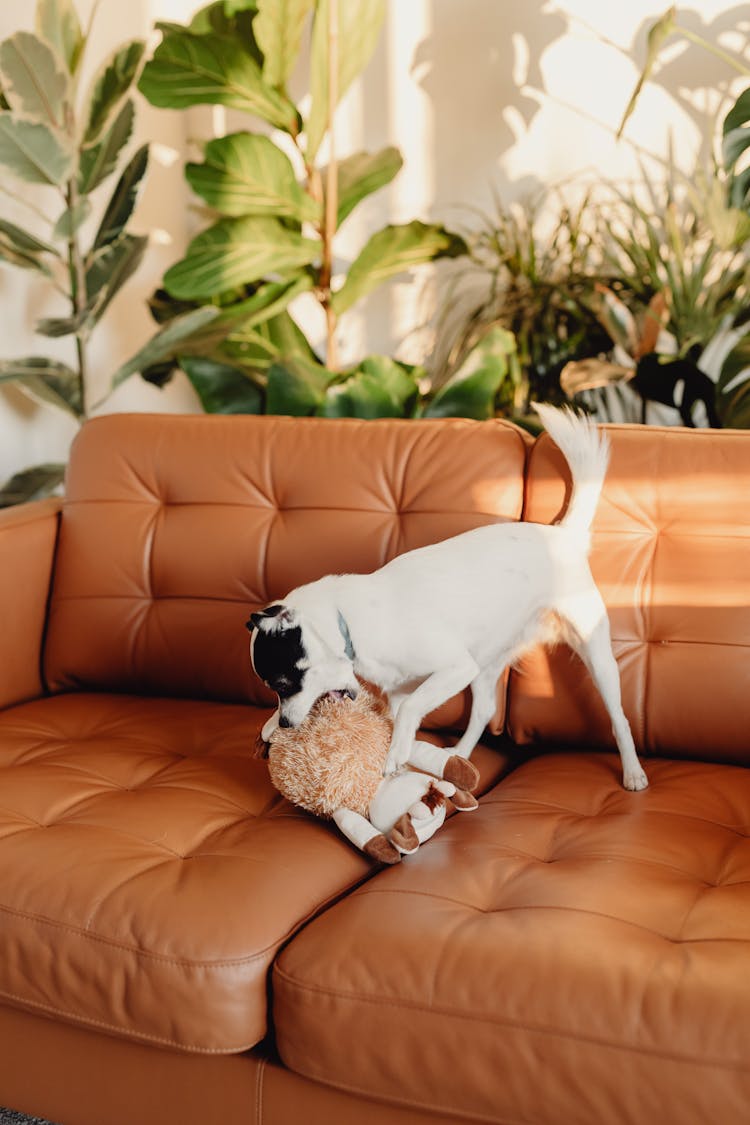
point(478, 94)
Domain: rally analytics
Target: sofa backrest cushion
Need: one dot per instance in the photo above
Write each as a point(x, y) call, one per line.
point(175, 528)
point(671, 556)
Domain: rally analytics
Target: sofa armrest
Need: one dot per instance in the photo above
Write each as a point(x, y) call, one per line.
point(28, 535)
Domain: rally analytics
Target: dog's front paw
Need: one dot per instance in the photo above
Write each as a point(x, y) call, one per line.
point(635, 780)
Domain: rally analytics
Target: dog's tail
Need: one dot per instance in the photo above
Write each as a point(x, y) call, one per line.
point(586, 449)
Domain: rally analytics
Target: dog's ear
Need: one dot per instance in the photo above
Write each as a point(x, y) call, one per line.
point(279, 614)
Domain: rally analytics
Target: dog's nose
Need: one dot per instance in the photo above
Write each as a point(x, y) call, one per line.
point(284, 722)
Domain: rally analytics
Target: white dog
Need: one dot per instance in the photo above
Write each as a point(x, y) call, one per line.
point(454, 614)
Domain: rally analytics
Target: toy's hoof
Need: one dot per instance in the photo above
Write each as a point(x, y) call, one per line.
point(461, 772)
point(260, 749)
point(464, 802)
point(403, 835)
point(377, 847)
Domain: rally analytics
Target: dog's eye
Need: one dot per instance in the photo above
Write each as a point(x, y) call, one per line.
point(281, 685)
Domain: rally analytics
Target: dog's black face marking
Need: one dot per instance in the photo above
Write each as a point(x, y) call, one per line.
point(276, 655)
point(257, 619)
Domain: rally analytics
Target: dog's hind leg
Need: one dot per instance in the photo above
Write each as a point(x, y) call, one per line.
point(588, 634)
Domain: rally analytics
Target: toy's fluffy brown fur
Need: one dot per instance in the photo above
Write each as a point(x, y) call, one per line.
point(336, 757)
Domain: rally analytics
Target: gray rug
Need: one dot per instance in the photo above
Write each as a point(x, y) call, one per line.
point(10, 1117)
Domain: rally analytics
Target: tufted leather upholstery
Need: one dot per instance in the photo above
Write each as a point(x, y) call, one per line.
point(569, 953)
point(167, 543)
point(573, 953)
point(137, 838)
point(671, 556)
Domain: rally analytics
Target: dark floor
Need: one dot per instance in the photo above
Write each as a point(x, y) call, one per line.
point(10, 1117)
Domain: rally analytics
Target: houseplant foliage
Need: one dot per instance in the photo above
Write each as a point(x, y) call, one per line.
point(531, 279)
point(62, 145)
point(276, 210)
point(678, 253)
point(686, 258)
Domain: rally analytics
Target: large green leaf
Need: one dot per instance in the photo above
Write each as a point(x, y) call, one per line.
point(189, 69)
point(222, 388)
point(99, 160)
point(392, 251)
point(57, 22)
point(278, 29)
point(360, 22)
point(217, 17)
point(471, 392)
point(380, 388)
point(361, 174)
point(401, 380)
point(231, 7)
point(164, 343)
point(32, 484)
point(736, 142)
point(34, 80)
point(123, 200)
point(271, 298)
point(46, 380)
point(111, 87)
point(239, 332)
point(296, 386)
point(246, 174)
point(33, 152)
point(235, 252)
point(277, 337)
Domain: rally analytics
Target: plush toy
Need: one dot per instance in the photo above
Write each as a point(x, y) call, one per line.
point(332, 765)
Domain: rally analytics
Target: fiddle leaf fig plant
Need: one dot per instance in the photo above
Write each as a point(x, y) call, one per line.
point(276, 209)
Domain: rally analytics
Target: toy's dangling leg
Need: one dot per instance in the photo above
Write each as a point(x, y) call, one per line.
point(445, 764)
point(365, 836)
point(403, 835)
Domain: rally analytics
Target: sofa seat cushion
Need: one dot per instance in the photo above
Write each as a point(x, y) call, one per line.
point(149, 871)
point(570, 952)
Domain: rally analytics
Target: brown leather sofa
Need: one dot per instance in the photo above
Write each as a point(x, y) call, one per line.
point(178, 946)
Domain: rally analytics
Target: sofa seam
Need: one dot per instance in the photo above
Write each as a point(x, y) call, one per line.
point(43, 679)
point(38, 919)
point(259, 1090)
point(503, 1023)
point(133, 1035)
point(399, 1100)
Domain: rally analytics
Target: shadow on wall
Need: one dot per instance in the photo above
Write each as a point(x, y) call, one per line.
point(692, 66)
point(470, 64)
point(473, 67)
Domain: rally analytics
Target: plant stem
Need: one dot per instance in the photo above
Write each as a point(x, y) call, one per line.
point(731, 60)
point(77, 292)
point(332, 202)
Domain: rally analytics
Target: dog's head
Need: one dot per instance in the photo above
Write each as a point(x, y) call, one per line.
point(293, 659)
